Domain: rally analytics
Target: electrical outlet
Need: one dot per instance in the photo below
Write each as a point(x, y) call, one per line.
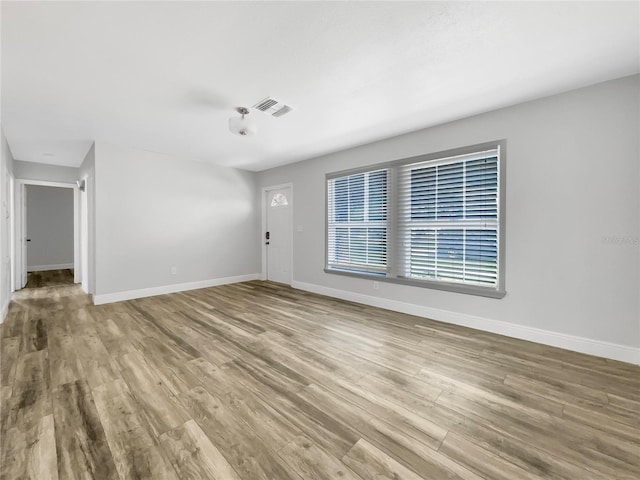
point(376, 285)
point(174, 270)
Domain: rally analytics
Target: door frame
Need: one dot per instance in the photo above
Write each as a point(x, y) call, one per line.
point(20, 231)
point(265, 194)
point(12, 229)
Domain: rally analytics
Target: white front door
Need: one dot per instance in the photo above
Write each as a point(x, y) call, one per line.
point(278, 237)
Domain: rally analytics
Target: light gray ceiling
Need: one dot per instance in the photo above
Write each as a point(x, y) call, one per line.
point(166, 76)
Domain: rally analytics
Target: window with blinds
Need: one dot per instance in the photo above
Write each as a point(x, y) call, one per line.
point(434, 221)
point(357, 222)
point(448, 223)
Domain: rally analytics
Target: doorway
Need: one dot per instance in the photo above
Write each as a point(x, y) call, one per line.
point(278, 233)
point(47, 234)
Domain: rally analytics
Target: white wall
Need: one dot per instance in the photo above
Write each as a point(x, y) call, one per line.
point(572, 206)
point(6, 170)
point(50, 228)
point(43, 172)
point(154, 212)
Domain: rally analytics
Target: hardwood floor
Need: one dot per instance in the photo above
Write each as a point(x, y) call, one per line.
point(49, 278)
point(259, 381)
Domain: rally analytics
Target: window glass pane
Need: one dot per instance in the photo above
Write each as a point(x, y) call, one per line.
point(454, 255)
point(378, 195)
point(481, 248)
point(279, 200)
point(449, 201)
point(422, 257)
point(341, 199)
point(342, 245)
point(482, 188)
point(423, 193)
point(377, 246)
point(450, 244)
point(356, 198)
point(358, 245)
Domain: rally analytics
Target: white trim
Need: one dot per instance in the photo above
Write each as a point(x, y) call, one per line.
point(589, 346)
point(265, 191)
point(45, 268)
point(178, 287)
point(19, 246)
point(84, 234)
point(18, 239)
point(76, 237)
point(4, 310)
point(43, 183)
point(12, 232)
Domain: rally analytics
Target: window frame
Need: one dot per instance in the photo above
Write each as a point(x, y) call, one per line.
point(393, 231)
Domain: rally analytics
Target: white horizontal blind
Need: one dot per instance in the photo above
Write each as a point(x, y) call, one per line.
point(357, 222)
point(448, 222)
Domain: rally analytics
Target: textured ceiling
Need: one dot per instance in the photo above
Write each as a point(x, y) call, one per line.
point(166, 76)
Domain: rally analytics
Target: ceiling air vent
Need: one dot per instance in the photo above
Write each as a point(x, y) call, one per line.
point(265, 104)
point(284, 109)
point(273, 107)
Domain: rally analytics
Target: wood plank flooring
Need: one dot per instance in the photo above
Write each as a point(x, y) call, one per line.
point(49, 278)
point(258, 381)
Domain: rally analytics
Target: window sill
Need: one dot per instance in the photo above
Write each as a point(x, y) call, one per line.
point(445, 286)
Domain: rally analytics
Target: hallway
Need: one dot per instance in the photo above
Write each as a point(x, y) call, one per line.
point(49, 278)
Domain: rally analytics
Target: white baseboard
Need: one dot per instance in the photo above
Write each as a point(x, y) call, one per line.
point(178, 287)
point(561, 340)
point(45, 268)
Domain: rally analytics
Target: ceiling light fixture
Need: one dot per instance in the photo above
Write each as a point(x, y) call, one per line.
point(242, 126)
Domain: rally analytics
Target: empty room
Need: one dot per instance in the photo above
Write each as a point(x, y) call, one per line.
point(320, 240)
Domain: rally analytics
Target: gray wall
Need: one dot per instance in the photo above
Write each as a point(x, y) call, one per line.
point(6, 169)
point(50, 227)
point(43, 172)
point(572, 200)
point(154, 212)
